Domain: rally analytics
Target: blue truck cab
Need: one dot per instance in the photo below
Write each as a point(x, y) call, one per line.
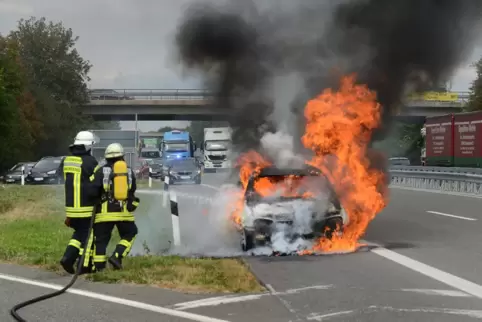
point(177, 145)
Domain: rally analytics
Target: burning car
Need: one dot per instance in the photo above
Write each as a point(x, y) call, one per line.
point(287, 198)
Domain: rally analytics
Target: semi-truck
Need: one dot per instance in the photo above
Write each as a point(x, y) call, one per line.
point(177, 145)
point(454, 140)
point(217, 148)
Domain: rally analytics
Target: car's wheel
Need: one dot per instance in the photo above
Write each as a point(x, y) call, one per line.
point(334, 226)
point(247, 240)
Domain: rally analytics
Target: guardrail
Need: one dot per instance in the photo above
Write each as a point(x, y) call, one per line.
point(197, 94)
point(458, 180)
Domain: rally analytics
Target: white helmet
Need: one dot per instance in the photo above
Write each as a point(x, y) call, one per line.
point(85, 138)
point(114, 150)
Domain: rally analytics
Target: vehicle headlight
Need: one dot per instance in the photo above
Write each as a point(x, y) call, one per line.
point(51, 172)
point(172, 172)
point(198, 171)
point(137, 171)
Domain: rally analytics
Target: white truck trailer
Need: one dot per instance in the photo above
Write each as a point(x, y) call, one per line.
point(217, 148)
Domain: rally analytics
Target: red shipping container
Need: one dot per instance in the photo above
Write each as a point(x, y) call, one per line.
point(439, 140)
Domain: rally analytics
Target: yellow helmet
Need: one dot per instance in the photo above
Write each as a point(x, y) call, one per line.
point(114, 150)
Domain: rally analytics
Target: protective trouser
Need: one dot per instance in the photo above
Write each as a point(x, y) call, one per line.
point(76, 247)
point(103, 231)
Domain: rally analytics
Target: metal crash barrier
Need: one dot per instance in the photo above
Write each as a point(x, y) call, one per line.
point(457, 180)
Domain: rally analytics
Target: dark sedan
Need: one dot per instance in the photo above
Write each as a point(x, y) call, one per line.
point(14, 175)
point(185, 171)
point(155, 168)
point(45, 171)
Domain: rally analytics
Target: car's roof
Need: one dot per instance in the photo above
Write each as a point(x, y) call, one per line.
point(274, 171)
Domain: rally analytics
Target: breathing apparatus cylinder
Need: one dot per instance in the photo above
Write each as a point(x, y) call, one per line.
point(119, 181)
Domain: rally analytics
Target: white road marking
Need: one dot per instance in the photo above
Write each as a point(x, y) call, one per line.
point(116, 300)
point(270, 288)
point(452, 293)
point(477, 314)
point(210, 186)
point(327, 316)
point(215, 301)
point(449, 215)
point(220, 300)
point(424, 269)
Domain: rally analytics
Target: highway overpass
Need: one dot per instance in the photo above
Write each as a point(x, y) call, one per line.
point(186, 105)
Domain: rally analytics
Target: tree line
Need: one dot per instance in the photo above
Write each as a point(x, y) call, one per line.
point(43, 85)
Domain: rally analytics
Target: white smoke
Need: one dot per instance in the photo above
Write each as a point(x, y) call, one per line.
point(280, 148)
point(206, 227)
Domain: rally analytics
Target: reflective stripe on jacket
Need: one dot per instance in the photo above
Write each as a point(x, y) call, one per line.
point(110, 209)
point(76, 170)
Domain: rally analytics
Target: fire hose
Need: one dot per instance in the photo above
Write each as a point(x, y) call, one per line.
point(13, 311)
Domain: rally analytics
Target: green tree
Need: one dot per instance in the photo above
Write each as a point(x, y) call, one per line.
point(165, 129)
point(57, 77)
point(475, 98)
point(404, 140)
point(12, 79)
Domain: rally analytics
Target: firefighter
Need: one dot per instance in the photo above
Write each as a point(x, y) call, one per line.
point(77, 169)
point(115, 184)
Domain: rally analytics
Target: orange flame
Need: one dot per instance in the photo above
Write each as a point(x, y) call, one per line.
point(339, 127)
point(338, 131)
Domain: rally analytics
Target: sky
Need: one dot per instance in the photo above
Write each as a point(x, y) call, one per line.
point(130, 42)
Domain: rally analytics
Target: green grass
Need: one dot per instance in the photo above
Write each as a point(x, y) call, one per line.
point(32, 233)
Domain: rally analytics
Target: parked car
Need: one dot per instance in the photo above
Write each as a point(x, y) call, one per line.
point(46, 171)
point(14, 175)
point(156, 168)
point(141, 169)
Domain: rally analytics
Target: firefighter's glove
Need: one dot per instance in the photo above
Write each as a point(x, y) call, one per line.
point(133, 204)
point(67, 222)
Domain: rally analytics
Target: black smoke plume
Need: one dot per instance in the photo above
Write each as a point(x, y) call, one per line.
point(393, 46)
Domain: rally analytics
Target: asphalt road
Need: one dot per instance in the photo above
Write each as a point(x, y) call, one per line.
point(425, 270)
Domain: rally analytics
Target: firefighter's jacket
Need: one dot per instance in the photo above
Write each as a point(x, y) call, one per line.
point(77, 170)
point(110, 209)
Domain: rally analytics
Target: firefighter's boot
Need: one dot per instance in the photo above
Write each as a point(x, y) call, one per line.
point(116, 261)
point(68, 260)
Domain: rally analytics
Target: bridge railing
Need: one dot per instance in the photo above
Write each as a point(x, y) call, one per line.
point(199, 94)
point(150, 94)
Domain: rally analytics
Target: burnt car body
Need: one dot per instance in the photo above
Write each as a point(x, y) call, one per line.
point(322, 215)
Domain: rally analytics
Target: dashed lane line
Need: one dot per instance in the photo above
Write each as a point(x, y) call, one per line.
point(451, 216)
